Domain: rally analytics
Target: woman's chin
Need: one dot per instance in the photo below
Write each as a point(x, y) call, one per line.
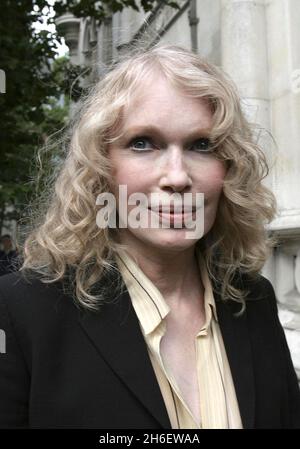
point(175, 239)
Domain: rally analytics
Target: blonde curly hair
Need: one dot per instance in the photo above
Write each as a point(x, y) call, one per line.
point(66, 243)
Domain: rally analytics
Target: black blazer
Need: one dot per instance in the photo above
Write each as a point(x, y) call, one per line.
point(68, 368)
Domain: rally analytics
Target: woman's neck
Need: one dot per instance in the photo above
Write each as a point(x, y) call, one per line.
point(175, 273)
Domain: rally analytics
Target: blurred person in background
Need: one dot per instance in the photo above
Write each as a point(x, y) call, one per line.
point(8, 255)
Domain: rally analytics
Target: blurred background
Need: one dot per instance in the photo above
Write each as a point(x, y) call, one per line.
point(53, 51)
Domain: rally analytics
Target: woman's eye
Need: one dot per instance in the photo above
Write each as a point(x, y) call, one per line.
point(138, 144)
point(144, 143)
point(203, 144)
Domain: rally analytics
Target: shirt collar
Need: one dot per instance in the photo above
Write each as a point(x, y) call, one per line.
point(149, 304)
point(208, 290)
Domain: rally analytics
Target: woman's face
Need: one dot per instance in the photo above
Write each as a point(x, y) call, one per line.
point(164, 150)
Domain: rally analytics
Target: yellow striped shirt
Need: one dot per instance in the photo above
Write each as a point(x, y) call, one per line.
point(218, 403)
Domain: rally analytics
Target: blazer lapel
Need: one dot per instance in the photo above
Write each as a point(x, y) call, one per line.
point(116, 333)
point(238, 348)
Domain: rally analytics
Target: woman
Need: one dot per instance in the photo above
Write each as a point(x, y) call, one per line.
point(146, 326)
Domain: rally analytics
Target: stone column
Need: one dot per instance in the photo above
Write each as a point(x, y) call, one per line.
point(68, 26)
point(283, 18)
point(244, 54)
point(261, 51)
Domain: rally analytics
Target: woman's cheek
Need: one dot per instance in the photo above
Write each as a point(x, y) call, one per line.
point(216, 177)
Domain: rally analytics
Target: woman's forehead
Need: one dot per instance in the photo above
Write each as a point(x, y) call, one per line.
point(155, 103)
point(152, 113)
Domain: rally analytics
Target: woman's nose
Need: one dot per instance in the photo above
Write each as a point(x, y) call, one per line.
point(175, 172)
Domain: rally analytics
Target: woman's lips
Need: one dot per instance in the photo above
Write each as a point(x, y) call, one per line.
point(175, 217)
point(173, 210)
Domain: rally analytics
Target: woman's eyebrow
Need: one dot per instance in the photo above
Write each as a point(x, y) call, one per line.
point(152, 129)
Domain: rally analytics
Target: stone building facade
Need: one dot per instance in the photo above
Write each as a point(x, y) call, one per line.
point(258, 43)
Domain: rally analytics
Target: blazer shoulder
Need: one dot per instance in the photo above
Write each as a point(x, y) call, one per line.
point(257, 286)
point(29, 285)
point(25, 296)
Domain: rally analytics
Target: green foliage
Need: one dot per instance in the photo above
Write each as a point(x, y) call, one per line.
point(30, 107)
